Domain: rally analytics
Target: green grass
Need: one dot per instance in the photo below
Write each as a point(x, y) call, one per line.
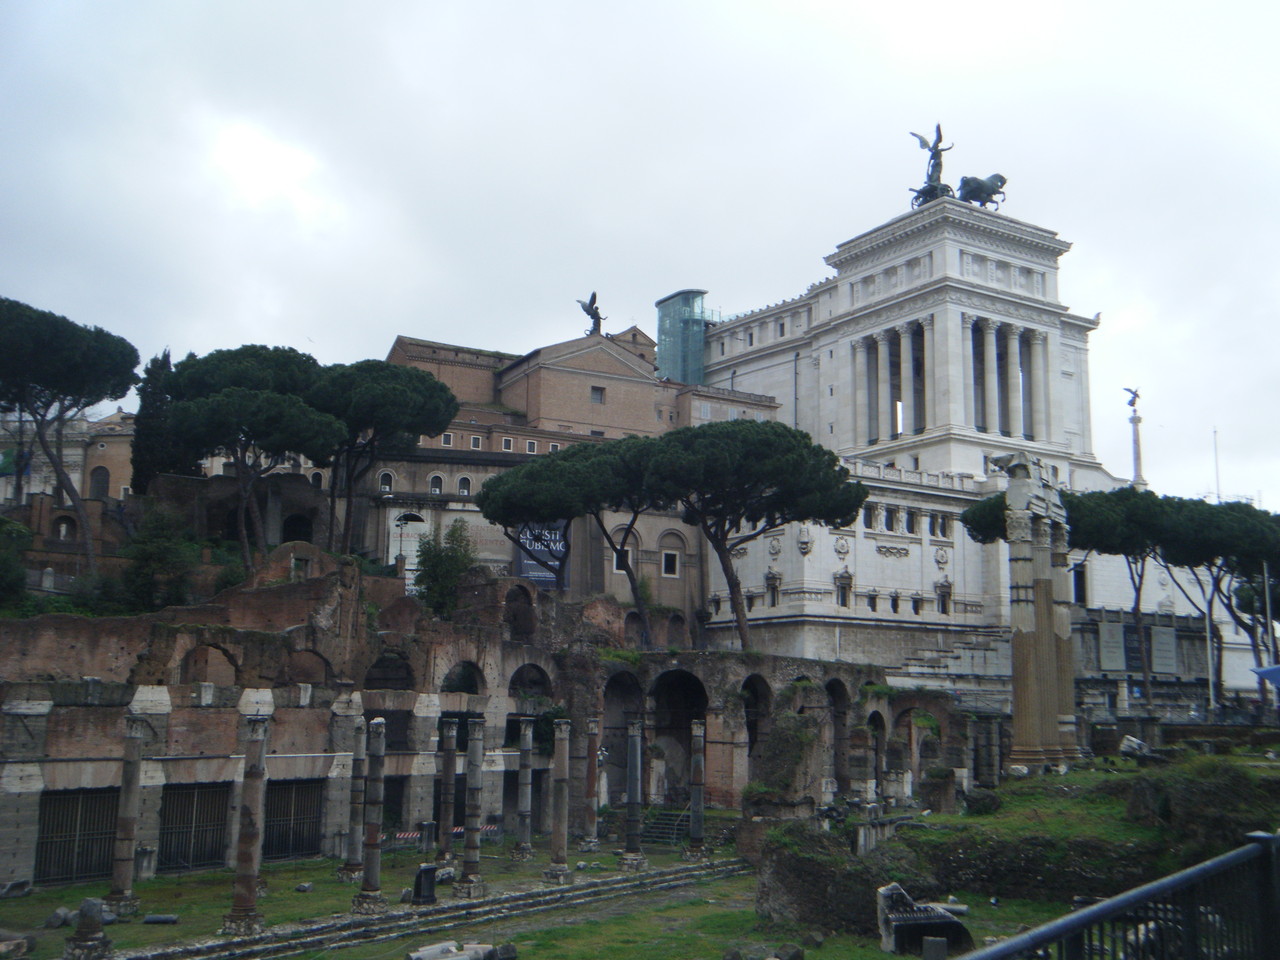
point(202, 899)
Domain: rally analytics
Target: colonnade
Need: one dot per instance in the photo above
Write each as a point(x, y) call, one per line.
point(905, 380)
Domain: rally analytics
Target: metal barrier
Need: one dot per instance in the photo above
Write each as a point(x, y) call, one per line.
point(1223, 908)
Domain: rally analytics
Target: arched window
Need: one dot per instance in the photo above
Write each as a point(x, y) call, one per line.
point(464, 487)
point(99, 483)
point(64, 528)
point(437, 483)
point(384, 483)
point(317, 480)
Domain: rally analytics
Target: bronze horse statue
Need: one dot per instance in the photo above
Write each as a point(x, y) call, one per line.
point(982, 190)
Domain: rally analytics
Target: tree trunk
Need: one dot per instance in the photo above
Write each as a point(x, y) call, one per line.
point(242, 527)
point(64, 483)
point(637, 596)
point(1137, 574)
point(736, 603)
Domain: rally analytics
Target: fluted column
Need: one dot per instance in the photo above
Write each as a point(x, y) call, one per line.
point(861, 394)
point(632, 858)
point(524, 794)
point(353, 868)
point(929, 373)
point(907, 379)
point(990, 376)
point(448, 784)
point(1039, 420)
point(1013, 379)
point(370, 899)
point(967, 383)
point(884, 397)
point(244, 920)
point(591, 788)
point(471, 885)
point(1065, 649)
point(558, 872)
point(122, 900)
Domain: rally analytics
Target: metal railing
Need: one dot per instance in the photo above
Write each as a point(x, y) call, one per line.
point(1223, 908)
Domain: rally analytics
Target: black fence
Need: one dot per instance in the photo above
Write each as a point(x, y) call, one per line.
point(193, 826)
point(1227, 907)
point(77, 832)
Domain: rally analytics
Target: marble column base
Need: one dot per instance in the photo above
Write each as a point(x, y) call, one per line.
point(248, 925)
point(122, 905)
point(92, 948)
point(351, 873)
point(472, 888)
point(696, 854)
point(589, 845)
point(522, 853)
point(633, 862)
point(369, 903)
point(558, 874)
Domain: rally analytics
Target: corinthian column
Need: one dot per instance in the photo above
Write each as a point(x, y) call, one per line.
point(990, 376)
point(861, 394)
point(928, 367)
point(1013, 380)
point(1039, 420)
point(907, 379)
point(884, 399)
point(966, 368)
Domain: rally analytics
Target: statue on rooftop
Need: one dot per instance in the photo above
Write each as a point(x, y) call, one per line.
point(933, 186)
point(982, 190)
point(591, 310)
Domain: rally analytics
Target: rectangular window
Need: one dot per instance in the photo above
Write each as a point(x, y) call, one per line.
point(597, 433)
point(670, 563)
point(911, 521)
point(842, 594)
point(704, 411)
point(597, 394)
point(475, 443)
point(1080, 585)
point(890, 518)
point(508, 444)
point(553, 447)
point(782, 328)
point(446, 439)
point(751, 339)
point(722, 348)
point(618, 566)
point(531, 446)
point(868, 516)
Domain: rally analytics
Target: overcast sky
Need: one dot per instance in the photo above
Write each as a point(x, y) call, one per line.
point(328, 175)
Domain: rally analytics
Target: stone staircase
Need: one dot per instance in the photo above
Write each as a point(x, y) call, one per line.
point(666, 826)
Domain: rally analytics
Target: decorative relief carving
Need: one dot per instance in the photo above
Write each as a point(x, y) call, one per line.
point(896, 552)
point(739, 553)
point(841, 547)
point(940, 557)
point(1018, 525)
point(804, 542)
point(775, 546)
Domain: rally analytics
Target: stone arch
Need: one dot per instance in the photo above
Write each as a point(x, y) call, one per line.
point(633, 631)
point(464, 486)
point(679, 698)
point(677, 632)
point(208, 664)
point(530, 681)
point(64, 528)
point(386, 481)
point(838, 697)
point(463, 677)
point(99, 483)
point(296, 527)
point(623, 701)
point(317, 480)
point(757, 705)
point(435, 484)
point(877, 734)
point(519, 615)
point(916, 735)
point(391, 671)
point(305, 666)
